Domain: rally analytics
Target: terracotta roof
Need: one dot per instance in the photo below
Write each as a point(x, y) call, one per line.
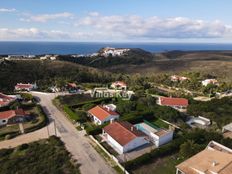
point(11, 113)
point(208, 161)
point(23, 86)
point(168, 101)
point(101, 113)
point(3, 103)
point(5, 97)
point(73, 85)
point(123, 132)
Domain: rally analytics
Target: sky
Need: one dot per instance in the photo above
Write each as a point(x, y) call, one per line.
point(116, 20)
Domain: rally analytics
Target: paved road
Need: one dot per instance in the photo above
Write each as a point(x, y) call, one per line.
point(76, 143)
point(29, 137)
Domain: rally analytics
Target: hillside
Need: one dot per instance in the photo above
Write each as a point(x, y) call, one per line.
point(132, 57)
point(218, 63)
point(46, 73)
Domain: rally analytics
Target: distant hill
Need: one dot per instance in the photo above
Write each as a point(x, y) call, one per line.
point(132, 57)
point(211, 55)
point(218, 63)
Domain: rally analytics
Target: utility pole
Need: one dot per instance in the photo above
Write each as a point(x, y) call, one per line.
point(55, 127)
point(48, 131)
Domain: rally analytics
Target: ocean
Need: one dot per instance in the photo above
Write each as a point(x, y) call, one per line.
point(38, 48)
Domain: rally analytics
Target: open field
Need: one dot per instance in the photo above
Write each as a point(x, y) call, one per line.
point(44, 156)
point(164, 165)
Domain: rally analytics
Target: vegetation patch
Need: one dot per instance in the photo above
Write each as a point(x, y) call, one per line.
point(217, 110)
point(45, 156)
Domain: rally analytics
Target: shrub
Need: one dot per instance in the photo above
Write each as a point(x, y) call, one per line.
point(72, 115)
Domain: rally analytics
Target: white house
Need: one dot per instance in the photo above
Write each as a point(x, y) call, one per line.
point(111, 107)
point(176, 78)
point(25, 87)
point(119, 85)
point(12, 116)
point(158, 136)
point(124, 137)
point(206, 82)
point(113, 52)
point(214, 159)
point(102, 114)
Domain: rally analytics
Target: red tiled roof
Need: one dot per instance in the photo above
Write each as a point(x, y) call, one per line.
point(23, 86)
point(122, 132)
point(11, 113)
point(167, 101)
point(101, 113)
point(6, 97)
point(3, 103)
point(73, 85)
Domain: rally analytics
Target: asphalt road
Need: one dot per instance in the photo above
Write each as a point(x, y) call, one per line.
point(76, 143)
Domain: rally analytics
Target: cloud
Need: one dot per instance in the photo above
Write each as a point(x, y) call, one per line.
point(7, 10)
point(97, 27)
point(37, 34)
point(132, 27)
point(46, 17)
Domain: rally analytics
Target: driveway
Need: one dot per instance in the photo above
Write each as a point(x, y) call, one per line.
point(76, 143)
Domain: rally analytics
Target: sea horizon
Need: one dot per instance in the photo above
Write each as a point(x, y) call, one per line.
point(68, 47)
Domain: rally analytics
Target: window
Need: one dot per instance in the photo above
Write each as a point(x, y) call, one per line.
point(4, 121)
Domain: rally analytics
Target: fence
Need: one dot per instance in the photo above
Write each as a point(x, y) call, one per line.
point(110, 155)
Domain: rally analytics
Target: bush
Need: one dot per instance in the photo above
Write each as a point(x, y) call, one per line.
point(7, 137)
point(42, 124)
point(72, 115)
point(10, 135)
point(22, 147)
point(82, 116)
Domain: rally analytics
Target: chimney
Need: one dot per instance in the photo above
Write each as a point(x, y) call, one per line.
point(132, 128)
point(214, 163)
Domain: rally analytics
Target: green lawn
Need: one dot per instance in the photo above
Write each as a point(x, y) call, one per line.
point(160, 123)
point(74, 99)
point(14, 129)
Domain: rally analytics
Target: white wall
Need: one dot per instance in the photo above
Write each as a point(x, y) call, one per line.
point(99, 122)
point(115, 144)
point(137, 142)
point(2, 122)
point(114, 117)
point(165, 139)
point(158, 141)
